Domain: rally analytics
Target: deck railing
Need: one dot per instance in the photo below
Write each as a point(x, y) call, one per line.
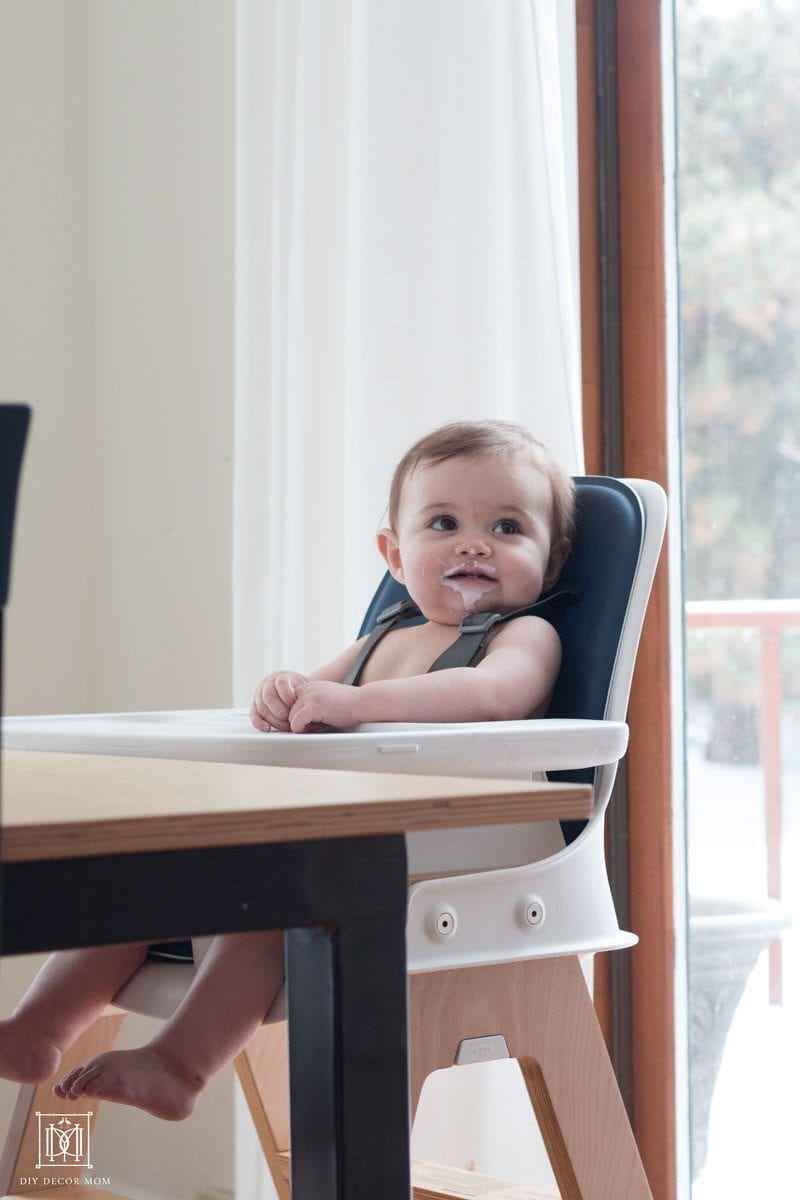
point(769, 619)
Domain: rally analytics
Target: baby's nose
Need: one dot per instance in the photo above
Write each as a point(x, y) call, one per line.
point(471, 546)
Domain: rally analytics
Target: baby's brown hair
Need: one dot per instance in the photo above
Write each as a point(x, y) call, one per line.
point(472, 439)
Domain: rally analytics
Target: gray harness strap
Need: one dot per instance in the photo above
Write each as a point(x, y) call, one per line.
point(387, 620)
point(474, 631)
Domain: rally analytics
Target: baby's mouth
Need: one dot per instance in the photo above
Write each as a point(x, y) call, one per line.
point(471, 581)
point(472, 572)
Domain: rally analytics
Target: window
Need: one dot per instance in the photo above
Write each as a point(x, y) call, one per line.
point(738, 121)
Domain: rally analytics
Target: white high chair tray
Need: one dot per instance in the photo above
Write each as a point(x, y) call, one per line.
point(492, 749)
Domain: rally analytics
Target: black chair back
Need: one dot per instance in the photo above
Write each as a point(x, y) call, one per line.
point(14, 421)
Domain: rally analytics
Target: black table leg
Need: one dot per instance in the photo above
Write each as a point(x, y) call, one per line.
point(348, 1054)
point(343, 904)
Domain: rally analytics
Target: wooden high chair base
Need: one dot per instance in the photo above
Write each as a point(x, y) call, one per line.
point(544, 1010)
point(541, 1006)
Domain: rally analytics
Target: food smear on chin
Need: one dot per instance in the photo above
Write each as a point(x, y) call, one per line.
point(471, 583)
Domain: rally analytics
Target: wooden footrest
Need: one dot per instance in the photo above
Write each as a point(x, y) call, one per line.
point(432, 1181)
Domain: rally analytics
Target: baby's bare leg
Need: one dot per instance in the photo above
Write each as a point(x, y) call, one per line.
point(233, 990)
point(69, 993)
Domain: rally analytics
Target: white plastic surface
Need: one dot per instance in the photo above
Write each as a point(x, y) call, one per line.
point(491, 749)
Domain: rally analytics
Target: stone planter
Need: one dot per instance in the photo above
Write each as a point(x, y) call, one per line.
point(726, 938)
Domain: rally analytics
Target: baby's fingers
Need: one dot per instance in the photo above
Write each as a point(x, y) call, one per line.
point(258, 721)
point(302, 716)
point(286, 691)
point(265, 722)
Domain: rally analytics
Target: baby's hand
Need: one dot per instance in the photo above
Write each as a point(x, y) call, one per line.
point(274, 699)
point(323, 704)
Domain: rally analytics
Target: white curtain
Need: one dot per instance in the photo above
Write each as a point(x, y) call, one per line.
point(406, 255)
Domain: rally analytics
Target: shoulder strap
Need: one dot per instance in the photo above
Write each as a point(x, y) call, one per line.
point(467, 649)
point(387, 620)
point(474, 630)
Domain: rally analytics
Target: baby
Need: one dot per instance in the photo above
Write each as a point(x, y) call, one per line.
point(480, 519)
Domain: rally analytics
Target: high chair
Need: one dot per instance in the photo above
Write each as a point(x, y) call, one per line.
point(496, 924)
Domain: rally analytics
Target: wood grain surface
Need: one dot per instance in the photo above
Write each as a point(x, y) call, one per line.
point(74, 805)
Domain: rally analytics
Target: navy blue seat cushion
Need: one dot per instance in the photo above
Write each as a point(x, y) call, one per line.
point(172, 952)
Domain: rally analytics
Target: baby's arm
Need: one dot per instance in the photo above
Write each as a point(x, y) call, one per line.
point(277, 693)
point(514, 679)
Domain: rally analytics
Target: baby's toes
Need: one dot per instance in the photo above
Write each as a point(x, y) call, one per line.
point(64, 1086)
point(91, 1082)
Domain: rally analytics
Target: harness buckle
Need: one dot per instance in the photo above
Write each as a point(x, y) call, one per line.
point(479, 622)
point(397, 609)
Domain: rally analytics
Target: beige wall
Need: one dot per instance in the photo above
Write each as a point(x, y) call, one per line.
point(44, 359)
point(118, 284)
point(116, 323)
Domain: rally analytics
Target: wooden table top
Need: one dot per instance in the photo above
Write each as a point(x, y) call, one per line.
point(74, 805)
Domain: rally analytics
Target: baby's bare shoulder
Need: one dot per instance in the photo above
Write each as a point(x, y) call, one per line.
point(524, 632)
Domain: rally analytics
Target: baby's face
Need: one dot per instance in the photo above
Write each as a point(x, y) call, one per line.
point(474, 535)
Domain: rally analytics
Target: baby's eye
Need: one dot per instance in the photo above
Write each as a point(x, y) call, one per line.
point(444, 524)
point(506, 526)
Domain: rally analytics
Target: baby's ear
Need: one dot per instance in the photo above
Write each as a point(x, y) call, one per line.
point(389, 548)
point(558, 556)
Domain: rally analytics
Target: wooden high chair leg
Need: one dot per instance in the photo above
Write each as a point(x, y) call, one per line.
point(18, 1170)
point(263, 1070)
point(544, 1010)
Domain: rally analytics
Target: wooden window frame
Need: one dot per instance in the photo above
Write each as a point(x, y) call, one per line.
point(624, 348)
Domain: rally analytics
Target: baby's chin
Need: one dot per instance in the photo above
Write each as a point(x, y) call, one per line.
point(446, 610)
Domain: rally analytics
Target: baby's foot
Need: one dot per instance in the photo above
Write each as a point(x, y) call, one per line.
point(143, 1078)
point(26, 1056)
